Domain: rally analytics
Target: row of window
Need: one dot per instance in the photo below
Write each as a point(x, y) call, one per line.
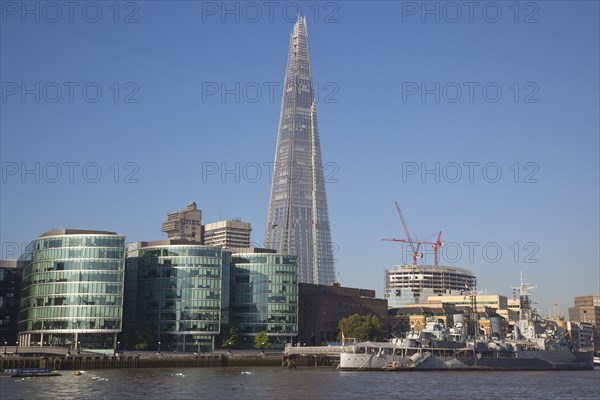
point(198, 305)
point(101, 288)
point(264, 288)
point(174, 283)
point(100, 265)
point(260, 298)
point(178, 273)
point(189, 316)
point(266, 269)
point(265, 308)
point(261, 318)
point(49, 324)
point(71, 312)
point(192, 251)
point(76, 241)
point(181, 295)
point(260, 278)
point(266, 259)
point(74, 276)
point(67, 253)
point(189, 326)
point(48, 301)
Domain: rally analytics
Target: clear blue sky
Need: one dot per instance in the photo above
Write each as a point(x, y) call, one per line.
point(373, 63)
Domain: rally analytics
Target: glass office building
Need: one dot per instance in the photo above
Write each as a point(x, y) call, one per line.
point(175, 287)
point(72, 289)
point(264, 297)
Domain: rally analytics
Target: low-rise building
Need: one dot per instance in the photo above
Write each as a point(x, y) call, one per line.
point(587, 313)
point(323, 306)
point(480, 302)
point(413, 317)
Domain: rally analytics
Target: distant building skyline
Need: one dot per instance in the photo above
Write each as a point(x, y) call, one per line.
point(298, 221)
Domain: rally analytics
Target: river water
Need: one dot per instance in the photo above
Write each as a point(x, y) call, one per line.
point(303, 383)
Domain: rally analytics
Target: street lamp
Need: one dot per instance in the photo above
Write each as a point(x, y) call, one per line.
point(78, 345)
point(158, 347)
point(118, 347)
point(17, 349)
point(5, 343)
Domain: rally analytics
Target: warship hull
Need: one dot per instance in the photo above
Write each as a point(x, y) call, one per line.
point(437, 360)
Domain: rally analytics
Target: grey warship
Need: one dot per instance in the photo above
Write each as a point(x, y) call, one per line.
point(533, 345)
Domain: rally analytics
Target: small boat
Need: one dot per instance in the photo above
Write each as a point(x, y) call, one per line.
point(597, 361)
point(77, 373)
point(29, 372)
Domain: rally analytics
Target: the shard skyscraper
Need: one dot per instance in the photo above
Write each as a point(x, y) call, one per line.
point(298, 221)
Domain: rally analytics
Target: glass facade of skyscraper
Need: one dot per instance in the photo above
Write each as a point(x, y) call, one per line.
point(298, 221)
point(264, 297)
point(72, 289)
point(176, 289)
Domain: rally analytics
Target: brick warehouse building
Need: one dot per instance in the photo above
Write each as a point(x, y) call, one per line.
point(321, 307)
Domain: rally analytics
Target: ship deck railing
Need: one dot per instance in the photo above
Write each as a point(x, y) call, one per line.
point(315, 350)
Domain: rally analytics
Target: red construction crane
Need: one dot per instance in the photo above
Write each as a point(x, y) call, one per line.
point(416, 244)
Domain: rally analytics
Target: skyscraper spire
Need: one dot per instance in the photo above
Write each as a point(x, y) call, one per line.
point(298, 221)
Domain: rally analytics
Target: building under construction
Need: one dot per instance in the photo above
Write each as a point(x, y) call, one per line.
point(410, 284)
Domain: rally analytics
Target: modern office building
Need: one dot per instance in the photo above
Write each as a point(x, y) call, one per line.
point(178, 290)
point(10, 285)
point(323, 306)
point(410, 284)
point(264, 296)
point(72, 289)
point(185, 224)
point(228, 234)
point(298, 221)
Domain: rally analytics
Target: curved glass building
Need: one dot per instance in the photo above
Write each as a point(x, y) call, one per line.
point(175, 291)
point(72, 289)
point(264, 297)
